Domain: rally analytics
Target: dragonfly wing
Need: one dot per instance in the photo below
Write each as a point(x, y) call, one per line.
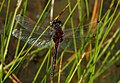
point(28, 24)
point(69, 43)
point(24, 37)
point(79, 36)
point(81, 31)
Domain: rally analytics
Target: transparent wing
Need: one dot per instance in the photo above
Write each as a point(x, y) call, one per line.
point(43, 42)
point(29, 24)
point(81, 31)
point(79, 36)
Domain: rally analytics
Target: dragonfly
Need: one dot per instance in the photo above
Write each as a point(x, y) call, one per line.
point(59, 36)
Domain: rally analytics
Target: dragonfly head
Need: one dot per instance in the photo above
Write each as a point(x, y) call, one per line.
point(56, 23)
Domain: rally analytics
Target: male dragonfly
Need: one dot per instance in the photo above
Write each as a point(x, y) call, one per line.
point(58, 35)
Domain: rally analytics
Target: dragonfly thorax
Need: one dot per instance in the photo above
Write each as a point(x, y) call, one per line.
point(57, 31)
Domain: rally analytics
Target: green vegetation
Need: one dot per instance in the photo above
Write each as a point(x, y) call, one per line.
point(92, 58)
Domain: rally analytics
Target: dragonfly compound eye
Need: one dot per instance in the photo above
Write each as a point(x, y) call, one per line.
point(56, 22)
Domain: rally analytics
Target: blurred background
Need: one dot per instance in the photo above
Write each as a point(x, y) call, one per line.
point(34, 8)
